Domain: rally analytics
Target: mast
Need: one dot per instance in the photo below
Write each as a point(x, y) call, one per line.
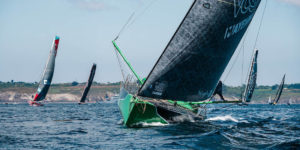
point(279, 91)
point(46, 80)
point(88, 84)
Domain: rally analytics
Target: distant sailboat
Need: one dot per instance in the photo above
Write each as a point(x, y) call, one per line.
point(250, 86)
point(289, 102)
point(189, 69)
point(279, 92)
point(270, 100)
point(88, 84)
point(47, 76)
point(106, 97)
point(248, 93)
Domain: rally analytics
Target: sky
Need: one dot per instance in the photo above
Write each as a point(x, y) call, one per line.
point(87, 27)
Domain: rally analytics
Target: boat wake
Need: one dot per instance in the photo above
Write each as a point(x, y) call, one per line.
point(145, 124)
point(222, 118)
point(183, 118)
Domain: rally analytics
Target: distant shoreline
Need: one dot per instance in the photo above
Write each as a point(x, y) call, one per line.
point(21, 92)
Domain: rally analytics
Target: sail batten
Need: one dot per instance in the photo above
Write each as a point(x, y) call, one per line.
point(88, 84)
point(199, 51)
point(46, 80)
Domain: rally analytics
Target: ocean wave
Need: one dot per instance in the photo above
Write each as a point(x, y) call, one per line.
point(222, 118)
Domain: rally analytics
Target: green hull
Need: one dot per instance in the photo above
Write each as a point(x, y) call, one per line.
point(135, 112)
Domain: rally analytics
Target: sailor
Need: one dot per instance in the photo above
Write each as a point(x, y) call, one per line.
point(219, 90)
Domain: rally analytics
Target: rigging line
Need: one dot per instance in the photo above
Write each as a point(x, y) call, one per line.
point(249, 67)
point(142, 13)
point(243, 61)
point(243, 57)
point(132, 19)
point(120, 65)
point(41, 73)
point(124, 26)
point(260, 24)
point(235, 60)
point(257, 36)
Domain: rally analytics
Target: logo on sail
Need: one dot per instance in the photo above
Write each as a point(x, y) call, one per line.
point(159, 88)
point(244, 6)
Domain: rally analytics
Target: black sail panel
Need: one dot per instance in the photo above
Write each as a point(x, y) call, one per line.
point(48, 73)
point(279, 91)
point(88, 84)
point(251, 80)
point(196, 56)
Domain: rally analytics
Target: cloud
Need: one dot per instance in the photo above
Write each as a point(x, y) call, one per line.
point(295, 2)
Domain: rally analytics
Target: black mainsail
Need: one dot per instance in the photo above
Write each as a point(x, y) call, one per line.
point(88, 84)
point(197, 54)
point(48, 73)
point(279, 91)
point(248, 93)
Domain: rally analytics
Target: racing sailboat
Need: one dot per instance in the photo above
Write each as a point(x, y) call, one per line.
point(88, 84)
point(270, 100)
point(279, 92)
point(247, 96)
point(189, 69)
point(45, 82)
point(289, 102)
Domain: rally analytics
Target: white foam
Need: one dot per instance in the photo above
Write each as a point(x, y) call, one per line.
point(153, 124)
point(222, 118)
point(183, 118)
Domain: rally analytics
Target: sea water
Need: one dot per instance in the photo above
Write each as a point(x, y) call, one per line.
point(99, 126)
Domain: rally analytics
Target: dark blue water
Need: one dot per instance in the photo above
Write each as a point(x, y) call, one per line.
point(98, 126)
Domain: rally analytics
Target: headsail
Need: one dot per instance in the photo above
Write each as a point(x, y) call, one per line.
point(270, 100)
point(251, 80)
point(279, 91)
point(48, 73)
point(88, 84)
point(289, 102)
point(196, 56)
